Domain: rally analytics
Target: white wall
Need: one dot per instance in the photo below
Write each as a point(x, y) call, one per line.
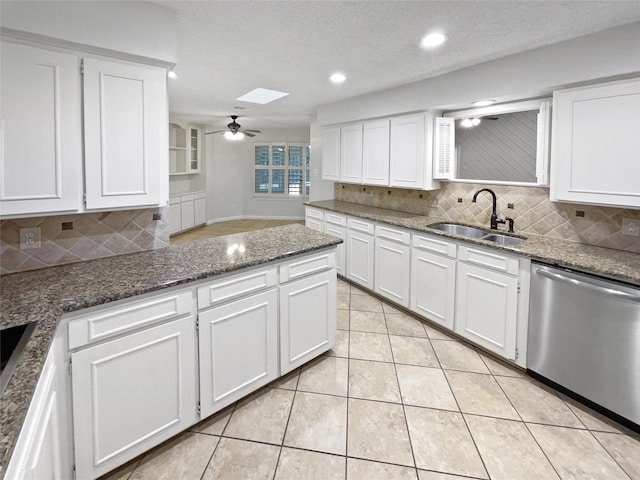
point(229, 178)
point(537, 72)
point(320, 189)
point(142, 29)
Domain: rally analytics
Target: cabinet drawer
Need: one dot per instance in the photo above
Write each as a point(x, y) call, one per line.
point(306, 265)
point(361, 226)
point(236, 286)
point(128, 316)
point(393, 234)
point(495, 261)
point(435, 245)
point(313, 213)
point(336, 219)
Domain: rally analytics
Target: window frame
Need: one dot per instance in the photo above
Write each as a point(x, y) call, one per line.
point(286, 168)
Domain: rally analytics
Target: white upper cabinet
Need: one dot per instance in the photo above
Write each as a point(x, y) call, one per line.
point(351, 154)
point(331, 154)
point(595, 149)
point(184, 149)
point(407, 154)
point(40, 132)
point(125, 121)
point(375, 153)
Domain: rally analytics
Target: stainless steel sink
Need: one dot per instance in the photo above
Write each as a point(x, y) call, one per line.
point(479, 233)
point(502, 239)
point(459, 229)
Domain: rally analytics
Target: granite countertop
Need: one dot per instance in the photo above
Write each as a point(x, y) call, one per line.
point(605, 262)
point(44, 295)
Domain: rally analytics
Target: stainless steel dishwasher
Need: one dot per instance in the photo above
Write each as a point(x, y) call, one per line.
point(584, 335)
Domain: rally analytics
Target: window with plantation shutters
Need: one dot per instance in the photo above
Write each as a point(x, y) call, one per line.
point(282, 169)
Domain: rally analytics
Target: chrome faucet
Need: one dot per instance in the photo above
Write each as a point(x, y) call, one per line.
point(494, 216)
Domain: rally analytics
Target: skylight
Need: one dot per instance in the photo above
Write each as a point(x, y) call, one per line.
point(261, 96)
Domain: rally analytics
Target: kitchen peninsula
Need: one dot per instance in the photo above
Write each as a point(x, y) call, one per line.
point(285, 268)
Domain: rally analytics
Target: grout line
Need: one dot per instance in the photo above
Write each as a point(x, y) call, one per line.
point(610, 455)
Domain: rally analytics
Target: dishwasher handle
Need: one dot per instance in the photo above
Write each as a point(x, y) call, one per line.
point(590, 286)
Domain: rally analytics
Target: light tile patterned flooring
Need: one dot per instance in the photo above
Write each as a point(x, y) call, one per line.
point(397, 399)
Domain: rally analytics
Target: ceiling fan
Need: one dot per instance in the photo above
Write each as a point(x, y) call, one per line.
point(234, 130)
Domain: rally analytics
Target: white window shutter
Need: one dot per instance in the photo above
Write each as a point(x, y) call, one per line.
point(543, 145)
point(444, 149)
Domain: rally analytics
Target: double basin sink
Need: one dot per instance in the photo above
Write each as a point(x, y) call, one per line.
point(478, 233)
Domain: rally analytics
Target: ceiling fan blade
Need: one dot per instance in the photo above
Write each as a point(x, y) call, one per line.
point(246, 132)
point(219, 131)
point(252, 131)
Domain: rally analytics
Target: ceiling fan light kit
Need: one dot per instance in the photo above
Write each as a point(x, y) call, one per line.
point(235, 131)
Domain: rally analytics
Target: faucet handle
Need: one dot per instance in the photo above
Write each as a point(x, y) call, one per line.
point(510, 220)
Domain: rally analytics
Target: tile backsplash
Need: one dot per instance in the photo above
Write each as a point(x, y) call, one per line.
point(532, 211)
point(94, 235)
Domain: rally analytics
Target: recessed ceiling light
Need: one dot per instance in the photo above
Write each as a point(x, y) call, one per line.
point(483, 103)
point(433, 40)
point(172, 74)
point(261, 96)
point(337, 78)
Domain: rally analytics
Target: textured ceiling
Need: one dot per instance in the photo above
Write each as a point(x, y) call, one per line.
point(227, 48)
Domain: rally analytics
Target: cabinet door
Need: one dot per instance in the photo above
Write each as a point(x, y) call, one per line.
point(351, 154)
point(340, 232)
point(486, 308)
point(307, 319)
point(331, 154)
point(375, 153)
point(360, 258)
point(200, 209)
point(392, 262)
point(238, 349)
point(595, 147)
point(125, 124)
point(194, 148)
point(433, 286)
point(187, 213)
point(132, 393)
point(37, 454)
point(407, 159)
point(175, 215)
point(40, 132)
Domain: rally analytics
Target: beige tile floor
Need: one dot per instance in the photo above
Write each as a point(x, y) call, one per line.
point(227, 228)
point(394, 399)
point(397, 399)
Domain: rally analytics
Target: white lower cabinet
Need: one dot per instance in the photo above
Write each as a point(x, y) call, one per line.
point(360, 247)
point(314, 219)
point(392, 264)
point(307, 319)
point(187, 217)
point(175, 215)
point(39, 452)
point(487, 300)
point(433, 279)
point(238, 349)
point(187, 211)
point(132, 393)
point(336, 225)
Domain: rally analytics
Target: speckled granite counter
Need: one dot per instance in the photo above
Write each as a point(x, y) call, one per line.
point(44, 295)
point(613, 264)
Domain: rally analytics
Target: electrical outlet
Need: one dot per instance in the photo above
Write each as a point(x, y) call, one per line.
point(29, 238)
point(631, 227)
